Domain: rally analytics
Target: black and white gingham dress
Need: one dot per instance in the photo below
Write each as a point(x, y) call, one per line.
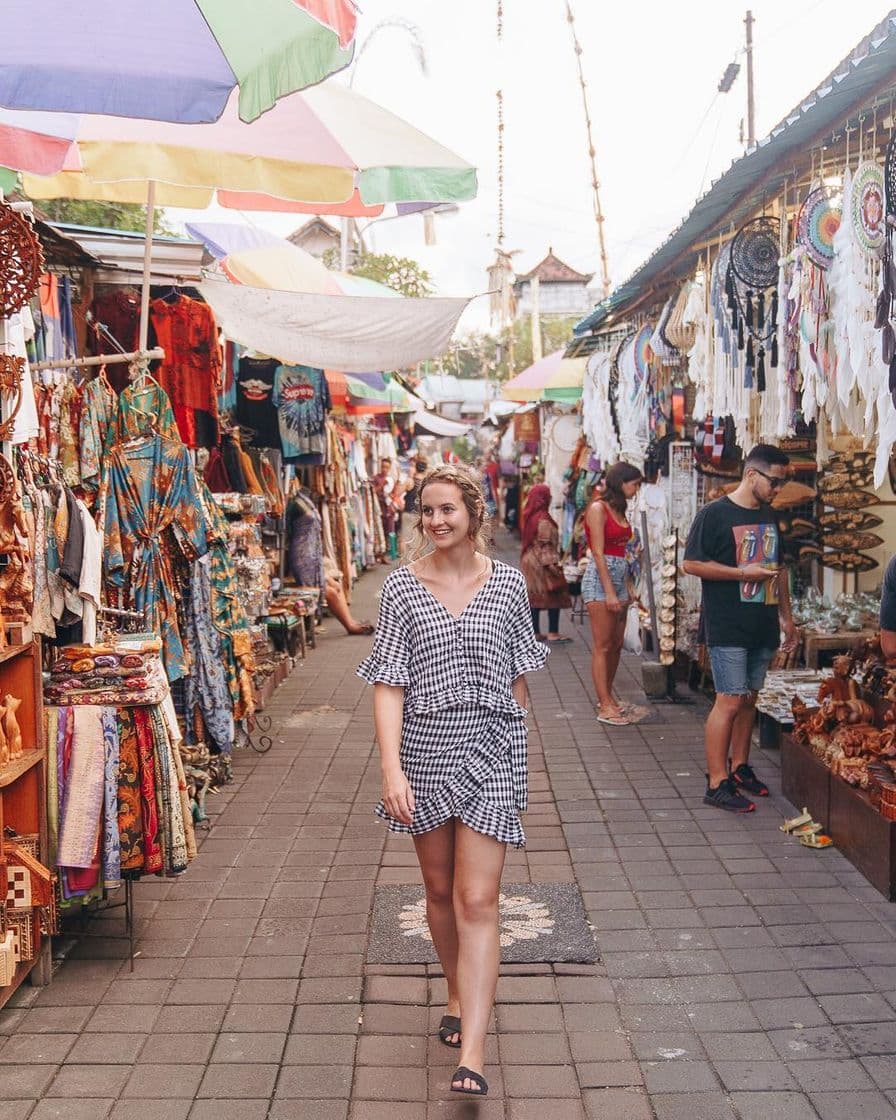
point(463, 740)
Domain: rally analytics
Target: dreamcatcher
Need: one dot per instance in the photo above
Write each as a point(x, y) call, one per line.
point(884, 304)
point(752, 273)
point(21, 261)
point(867, 207)
point(818, 221)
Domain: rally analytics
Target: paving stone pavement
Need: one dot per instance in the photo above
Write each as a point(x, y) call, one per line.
point(742, 976)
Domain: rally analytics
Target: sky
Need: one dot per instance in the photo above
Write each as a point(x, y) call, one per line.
point(662, 132)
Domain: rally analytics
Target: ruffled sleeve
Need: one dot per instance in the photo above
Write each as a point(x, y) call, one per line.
point(388, 662)
point(526, 654)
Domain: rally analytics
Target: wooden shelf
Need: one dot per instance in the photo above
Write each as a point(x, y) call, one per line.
point(14, 651)
point(14, 770)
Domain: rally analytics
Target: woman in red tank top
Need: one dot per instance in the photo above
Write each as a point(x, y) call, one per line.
point(605, 587)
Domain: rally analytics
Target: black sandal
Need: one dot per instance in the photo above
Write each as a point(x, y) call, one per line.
point(463, 1074)
point(448, 1027)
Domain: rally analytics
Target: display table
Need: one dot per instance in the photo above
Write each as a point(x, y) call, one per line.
point(859, 832)
point(815, 642)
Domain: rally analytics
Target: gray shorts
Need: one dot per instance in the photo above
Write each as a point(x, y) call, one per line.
point(592, 586)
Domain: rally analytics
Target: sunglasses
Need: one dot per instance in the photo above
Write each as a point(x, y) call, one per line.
point(775, 483)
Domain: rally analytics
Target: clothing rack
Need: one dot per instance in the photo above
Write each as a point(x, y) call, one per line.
point(156, 354)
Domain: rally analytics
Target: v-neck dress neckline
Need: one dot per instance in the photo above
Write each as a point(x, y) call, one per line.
point(436, 599)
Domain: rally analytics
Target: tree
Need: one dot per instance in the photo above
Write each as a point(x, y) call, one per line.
point(103, 215)
point(492, 355)
point(402, 274)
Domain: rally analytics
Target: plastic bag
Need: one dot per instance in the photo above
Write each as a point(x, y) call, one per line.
point(632, 639)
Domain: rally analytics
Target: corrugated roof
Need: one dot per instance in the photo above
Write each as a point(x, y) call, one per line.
point(869, 69)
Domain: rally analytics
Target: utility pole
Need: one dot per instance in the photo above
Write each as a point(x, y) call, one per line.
point(751, 104)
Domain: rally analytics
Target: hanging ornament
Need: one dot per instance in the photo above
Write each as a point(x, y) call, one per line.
point(867, 207)
point(21, 261)
point(818, 221)
point(754, 253)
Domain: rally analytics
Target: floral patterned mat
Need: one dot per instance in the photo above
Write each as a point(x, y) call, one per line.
point(540, 923)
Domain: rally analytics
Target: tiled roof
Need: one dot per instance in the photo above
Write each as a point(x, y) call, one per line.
point(554, 271)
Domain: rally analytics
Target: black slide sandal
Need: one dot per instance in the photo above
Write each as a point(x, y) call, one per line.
point(463, 1074)
point(449, 1026)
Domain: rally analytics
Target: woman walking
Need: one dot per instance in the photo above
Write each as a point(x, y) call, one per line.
point(605, 588)
point(453, 642)
point(540, 563)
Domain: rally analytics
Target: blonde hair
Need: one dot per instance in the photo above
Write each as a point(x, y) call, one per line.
point(471, 495)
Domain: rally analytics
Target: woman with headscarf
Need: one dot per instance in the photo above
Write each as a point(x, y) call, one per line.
point(540, 562)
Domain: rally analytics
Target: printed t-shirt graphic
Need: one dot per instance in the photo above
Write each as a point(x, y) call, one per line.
point(757, 544)
point(255, 400)
point(302, 399)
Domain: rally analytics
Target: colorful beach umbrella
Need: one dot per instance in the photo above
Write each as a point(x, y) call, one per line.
point(169, 60)
point(552, 377)
point(314, 147)
point(248, 255)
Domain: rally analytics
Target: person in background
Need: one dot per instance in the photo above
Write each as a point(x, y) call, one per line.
point(412, 483)
point(337, 603)
point(540, 564)
point(888, 613)
point(605, 589)
point(733, 548)
point(491, 477)
point(383, 484)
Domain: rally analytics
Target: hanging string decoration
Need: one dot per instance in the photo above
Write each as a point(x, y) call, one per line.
point(21, 261)
point(868, 207)
point(751, 287)
point(818, 221)
point(884, 305)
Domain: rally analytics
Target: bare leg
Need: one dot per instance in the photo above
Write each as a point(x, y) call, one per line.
point(616, 649)
point(603, 627)
point(719, 728)
point(435, 851)
point(742, 731)
point(339, 608)
point(478, 863)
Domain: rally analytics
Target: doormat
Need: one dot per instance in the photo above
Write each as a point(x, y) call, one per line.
point(541, 923)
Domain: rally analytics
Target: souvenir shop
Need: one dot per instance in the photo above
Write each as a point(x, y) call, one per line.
point(167, 530)
point(767, 316)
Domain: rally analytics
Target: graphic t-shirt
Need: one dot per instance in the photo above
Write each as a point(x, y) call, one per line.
point(743, 614)
point(302, 399)
point(255, 400)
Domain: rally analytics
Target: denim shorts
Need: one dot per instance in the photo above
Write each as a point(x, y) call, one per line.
point(592, 586)
point(737, 671)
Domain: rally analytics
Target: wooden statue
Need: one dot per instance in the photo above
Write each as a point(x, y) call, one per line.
point(11, 726)
point(4, 746)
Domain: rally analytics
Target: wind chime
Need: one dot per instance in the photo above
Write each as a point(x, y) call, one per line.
point(751, 290)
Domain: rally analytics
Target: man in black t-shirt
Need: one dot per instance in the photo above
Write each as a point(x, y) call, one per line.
point(734, 549)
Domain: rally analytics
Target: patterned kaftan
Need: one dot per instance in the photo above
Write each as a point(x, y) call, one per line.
point(150, 513)
point(463, 738)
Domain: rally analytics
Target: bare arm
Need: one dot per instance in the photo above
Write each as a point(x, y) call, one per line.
point(713, 570)
point(388, 714)
point(521, 693)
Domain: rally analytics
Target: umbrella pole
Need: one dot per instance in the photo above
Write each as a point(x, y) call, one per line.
point(147, 263)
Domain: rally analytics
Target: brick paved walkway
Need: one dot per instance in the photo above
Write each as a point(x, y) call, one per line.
point(742, 976)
